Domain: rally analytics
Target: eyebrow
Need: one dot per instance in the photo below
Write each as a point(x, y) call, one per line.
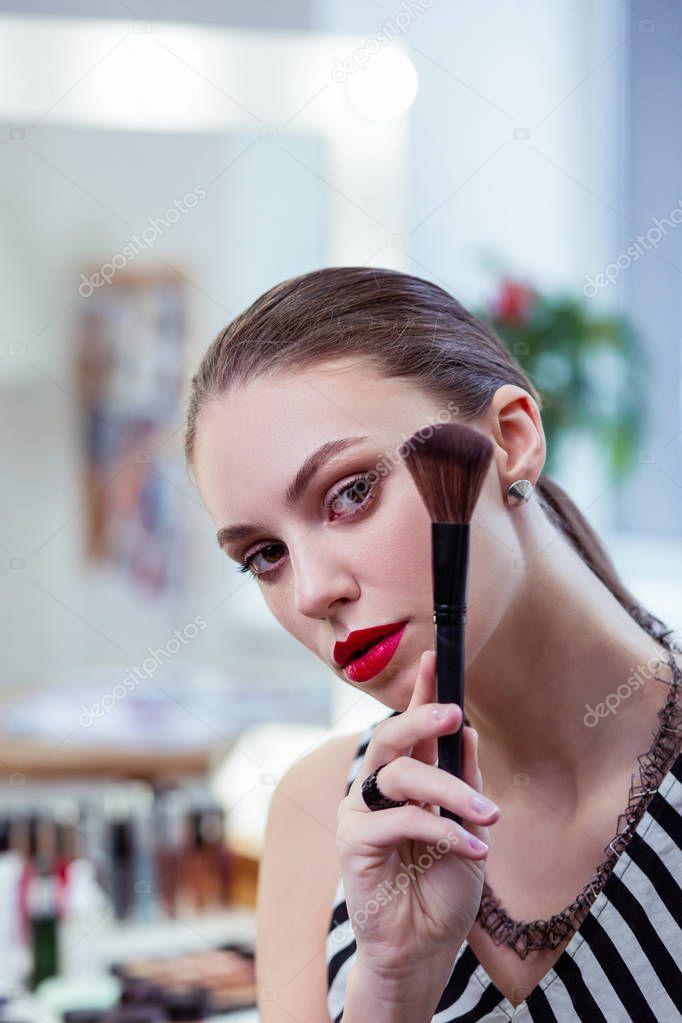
point(295, 490)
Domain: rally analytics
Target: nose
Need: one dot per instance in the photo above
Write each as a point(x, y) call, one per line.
point(321, 577)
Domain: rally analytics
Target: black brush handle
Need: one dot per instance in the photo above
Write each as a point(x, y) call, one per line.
point(450, 550)
point(450, 675)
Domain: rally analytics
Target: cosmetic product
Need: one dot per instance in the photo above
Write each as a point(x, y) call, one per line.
point(209, 982)
point(85, 907)
point(145, 882)
point(169, 813)
point(186, 1003)
point(197, 879)
point(136, 1013)
point(218, 857)
point(66, 816)
point(42, 901)
point(140, 991)
point(84, 1015)
point(120, 879)
point(15, 955)
point(232, 977)
point(449, 468)
point(66, 843)
point(206, 863)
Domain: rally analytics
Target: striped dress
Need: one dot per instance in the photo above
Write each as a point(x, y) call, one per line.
point(623, 963)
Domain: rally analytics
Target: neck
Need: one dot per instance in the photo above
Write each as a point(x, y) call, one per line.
point(564, 646)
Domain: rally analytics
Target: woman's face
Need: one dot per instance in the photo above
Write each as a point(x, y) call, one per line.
point(354, 549)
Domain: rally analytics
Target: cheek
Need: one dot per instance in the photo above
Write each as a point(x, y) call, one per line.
point(278, 602)
point(282, 606)
point(396, 550)
point(414, 541)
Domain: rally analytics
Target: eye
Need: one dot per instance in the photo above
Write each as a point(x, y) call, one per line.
point(346, 500)
point(248, 561)
point(355, 493)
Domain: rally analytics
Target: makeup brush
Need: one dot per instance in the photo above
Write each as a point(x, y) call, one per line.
point(448, 469)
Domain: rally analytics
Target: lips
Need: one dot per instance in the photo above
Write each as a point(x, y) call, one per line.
point(365, 666)
point(361, 638)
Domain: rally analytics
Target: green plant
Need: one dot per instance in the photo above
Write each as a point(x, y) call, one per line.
point(588, 368)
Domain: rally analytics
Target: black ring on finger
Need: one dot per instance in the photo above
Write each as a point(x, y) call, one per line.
point(374, 797)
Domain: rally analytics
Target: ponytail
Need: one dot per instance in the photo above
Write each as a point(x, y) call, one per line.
point(566, 516)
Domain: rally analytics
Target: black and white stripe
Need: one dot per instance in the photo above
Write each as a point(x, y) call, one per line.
point(623, 963)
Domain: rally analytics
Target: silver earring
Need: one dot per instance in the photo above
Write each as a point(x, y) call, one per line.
point(519, 491)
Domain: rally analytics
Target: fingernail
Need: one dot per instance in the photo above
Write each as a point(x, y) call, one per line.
point(483, 805)
point(444, 710)
point(477, 844)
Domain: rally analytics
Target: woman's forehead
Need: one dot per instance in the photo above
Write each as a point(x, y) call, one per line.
point(266, 430)
point(350, 400)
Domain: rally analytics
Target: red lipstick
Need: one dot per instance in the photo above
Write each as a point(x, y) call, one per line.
point(361, 664)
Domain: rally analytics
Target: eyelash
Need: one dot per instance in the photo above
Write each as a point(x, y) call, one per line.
point(245, 567)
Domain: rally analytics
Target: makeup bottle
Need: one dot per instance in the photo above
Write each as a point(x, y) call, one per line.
point(85, 906)
point(145, 881)
point(193, 888)
point(219, 856)
point(209, 860)
point(66, 847)
point(15, 955)
point(169, 815)
point(93, 840)
point(120, 879)
point(42, 901)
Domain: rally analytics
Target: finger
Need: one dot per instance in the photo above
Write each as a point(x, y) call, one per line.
point(471, 774)
point(426, 750)
point(360, 832)
point(394, 735)
point(424, 691)
point(407, 778)
point(425, 685)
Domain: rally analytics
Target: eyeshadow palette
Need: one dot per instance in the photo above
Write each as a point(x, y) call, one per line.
point(191, 986)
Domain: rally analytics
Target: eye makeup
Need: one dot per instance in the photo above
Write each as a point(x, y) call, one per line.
point(357, 484)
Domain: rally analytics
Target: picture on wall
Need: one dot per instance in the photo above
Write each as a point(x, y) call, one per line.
point(131, 338)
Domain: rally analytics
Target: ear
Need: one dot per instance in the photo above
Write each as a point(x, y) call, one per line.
point(515, 423)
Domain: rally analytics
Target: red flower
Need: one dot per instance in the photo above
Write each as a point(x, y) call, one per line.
point(514, 303)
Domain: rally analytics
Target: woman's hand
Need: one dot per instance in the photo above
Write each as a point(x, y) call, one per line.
point(412, 879)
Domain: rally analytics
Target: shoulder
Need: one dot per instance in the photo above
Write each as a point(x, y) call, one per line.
point(319, 777)
point(297, 878)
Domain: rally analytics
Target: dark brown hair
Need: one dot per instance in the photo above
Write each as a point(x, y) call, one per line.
point(406, 327)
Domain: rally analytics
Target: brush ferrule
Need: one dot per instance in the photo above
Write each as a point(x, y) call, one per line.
point(450, 614)
point(450, 566)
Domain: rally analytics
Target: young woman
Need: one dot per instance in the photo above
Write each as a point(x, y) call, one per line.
point(383, 911)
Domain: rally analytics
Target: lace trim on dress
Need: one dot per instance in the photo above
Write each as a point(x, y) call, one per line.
point(525, 936)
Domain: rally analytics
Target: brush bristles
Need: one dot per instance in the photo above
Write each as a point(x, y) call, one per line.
point(448, 469)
